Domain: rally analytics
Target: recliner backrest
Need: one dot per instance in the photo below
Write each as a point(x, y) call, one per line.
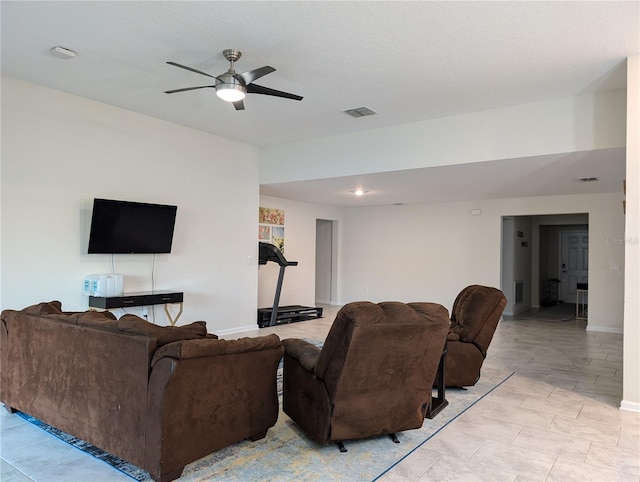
point(475, 314)
point(373, 345)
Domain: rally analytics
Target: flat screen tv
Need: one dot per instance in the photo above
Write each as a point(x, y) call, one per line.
point(119, 227)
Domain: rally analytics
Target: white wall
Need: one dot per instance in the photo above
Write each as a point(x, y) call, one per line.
point(590, 121)
point(516, 262)
point(324, 261)
point(523, 247)
point(60, 151)
point(631, 375)
point(420, 252)
point(429, 252)
point(507, 260)
point(300, 245)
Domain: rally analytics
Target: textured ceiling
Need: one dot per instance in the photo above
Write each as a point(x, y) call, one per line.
point(407, 61)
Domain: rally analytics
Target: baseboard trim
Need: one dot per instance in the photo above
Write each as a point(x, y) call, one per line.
point(605, 329)
point(239, 329)
point(630, 406)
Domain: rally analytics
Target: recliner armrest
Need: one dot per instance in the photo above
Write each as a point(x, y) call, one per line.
point(306, 353)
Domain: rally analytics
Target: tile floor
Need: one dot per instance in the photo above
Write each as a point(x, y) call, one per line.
point(556, 419)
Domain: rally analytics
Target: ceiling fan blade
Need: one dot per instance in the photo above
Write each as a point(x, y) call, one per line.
point(252, 75)
point(239, 105)
point(191, 69)
point(258, 89)
point(188, 88)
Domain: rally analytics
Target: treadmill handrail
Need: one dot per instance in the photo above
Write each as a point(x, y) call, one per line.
point(269, 252)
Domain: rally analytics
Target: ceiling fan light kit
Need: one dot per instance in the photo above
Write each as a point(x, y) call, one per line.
point(233, 87)
point(229, 89)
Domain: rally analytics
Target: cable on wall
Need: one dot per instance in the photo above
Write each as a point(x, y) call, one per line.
point(153, 286)
point(153, 273)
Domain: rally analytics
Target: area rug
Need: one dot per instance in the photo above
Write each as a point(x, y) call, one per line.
point(285, 454)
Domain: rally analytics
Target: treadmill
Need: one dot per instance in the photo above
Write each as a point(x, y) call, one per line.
point(279, 315)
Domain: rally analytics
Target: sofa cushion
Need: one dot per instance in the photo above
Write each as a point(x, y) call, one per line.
point(44, 308)
point(82, 318)
point(164, 334)
point(184, 349)
point(98, 319)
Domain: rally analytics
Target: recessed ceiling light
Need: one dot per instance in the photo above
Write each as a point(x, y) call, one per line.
point(359, 192)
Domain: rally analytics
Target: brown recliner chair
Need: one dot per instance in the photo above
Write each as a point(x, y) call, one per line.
point(373, 376)
point(474, 319)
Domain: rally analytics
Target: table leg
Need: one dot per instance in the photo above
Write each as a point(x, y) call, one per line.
point(173, 320)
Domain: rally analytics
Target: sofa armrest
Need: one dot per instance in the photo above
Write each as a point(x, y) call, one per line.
point(304, 352)
point(206, 394)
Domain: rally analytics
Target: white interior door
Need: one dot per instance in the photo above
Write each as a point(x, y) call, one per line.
point(574, 261)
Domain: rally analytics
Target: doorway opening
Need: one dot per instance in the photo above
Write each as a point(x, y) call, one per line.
point(545, 261)
point(326, 291)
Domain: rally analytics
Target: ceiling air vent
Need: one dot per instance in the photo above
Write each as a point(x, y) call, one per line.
point(359, 112)
point(588, 179)
point(62, 53)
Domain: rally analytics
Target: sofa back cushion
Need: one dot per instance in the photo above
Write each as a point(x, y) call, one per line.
point(44, 308)
point(53, 310)
point(105, 320)
point(135, 325)
point(208, 347)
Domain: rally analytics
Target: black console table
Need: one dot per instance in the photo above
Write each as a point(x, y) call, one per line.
point(143, 298)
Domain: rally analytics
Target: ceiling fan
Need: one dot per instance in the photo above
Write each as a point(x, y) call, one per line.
point(231, 86)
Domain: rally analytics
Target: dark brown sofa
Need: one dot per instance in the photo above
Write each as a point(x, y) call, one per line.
point(373, 376)
point(157, 397)
point(474, 319)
